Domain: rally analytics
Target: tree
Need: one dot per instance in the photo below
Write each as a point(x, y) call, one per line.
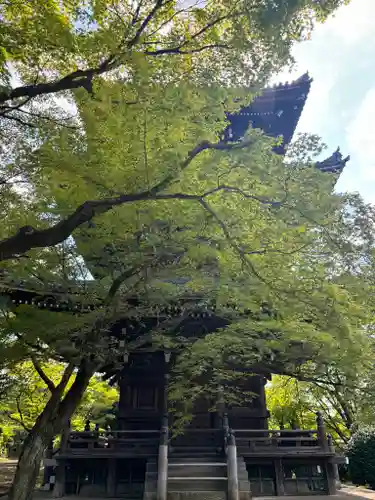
point(28, 394)
point(178, 213)
point(343, 392)
point(289, 404)
point(293, 403)
point(361, 457)
point(233, 224)
point(146, 44)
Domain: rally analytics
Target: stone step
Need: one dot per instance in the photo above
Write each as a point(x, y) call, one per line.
point(196, 495)
point(186, 455)
point(197, 484)
point(197, 470)
point(195, 450)
point(202, 462)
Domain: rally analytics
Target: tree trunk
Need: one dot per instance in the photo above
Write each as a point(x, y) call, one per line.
point(49, 423)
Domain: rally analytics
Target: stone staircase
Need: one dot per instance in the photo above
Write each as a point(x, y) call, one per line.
point(197, 477)
point(244, 486)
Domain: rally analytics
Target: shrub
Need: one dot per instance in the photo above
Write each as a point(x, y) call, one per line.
point(361, 454)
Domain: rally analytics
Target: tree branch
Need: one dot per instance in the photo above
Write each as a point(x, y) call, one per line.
point(74, 80)
point(264, 251)
point(83, 78)
point(22, 422)
point(43, 117)
point(19, 422)
point(28, 237)
point(8, 109)
point(68, 372)
point(51, 386)
point(178, 50)
point(136, 13)
point(19, 120)
point(117, 282)
point(211, 24)
point(157, 6)
point(235, 247)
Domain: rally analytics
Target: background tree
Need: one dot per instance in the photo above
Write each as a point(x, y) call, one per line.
point(289, 404)
point(343, 392)
point(361, 457)
point(28, 394)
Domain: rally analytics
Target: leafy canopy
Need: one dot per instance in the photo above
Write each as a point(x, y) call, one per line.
point(205, 222)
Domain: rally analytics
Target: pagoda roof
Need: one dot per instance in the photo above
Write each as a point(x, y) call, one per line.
point(276, 111)
point(334, 164)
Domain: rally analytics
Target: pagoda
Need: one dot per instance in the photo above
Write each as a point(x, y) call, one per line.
point(225, 453)
point(277, 112)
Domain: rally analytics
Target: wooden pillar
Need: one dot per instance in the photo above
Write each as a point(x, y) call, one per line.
point(161, 491)
point(111, 478)
point(279, 477)
point(232, 470)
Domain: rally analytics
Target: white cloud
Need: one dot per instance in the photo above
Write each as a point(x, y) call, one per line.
point(341, 104)
point(360, 137)
point(354, 22)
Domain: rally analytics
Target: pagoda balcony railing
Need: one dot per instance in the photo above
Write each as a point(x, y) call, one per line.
point(272, 442)
point(249, 442)
point(112, 442)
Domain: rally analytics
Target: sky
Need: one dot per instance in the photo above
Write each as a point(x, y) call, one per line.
point(340, 57)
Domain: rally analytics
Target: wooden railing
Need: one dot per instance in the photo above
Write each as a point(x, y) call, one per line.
point(247, 440)
point(97, 441)
point(281, 440)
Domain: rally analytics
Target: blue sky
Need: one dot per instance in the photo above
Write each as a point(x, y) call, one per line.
point(340, 57)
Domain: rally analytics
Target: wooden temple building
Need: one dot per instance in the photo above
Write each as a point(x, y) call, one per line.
point(225, 452)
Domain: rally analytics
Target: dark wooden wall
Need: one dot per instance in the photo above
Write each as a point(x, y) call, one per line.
point(144, 398)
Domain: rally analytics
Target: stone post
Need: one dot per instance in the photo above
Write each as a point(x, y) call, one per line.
point(335, 467)
point(232, 470)
point(220, 408)
point(225, 425)
point(59, 488)
point(326, 445)
point(337, 476)
point(321, 432)
point(165, 393)
point(162, 483)
point(47, 468)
